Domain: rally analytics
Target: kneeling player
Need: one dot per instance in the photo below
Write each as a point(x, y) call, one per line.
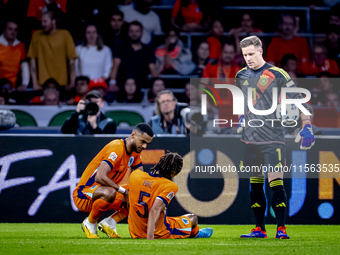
point(150, 194)
point(98, 189)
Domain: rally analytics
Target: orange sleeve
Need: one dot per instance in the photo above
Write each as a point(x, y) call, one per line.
point(111, 155)
point(176, 8)
point(32, 9)
point(168, 191)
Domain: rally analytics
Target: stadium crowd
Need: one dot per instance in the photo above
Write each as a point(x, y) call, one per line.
point(56, 51)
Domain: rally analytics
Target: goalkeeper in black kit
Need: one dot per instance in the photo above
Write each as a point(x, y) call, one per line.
point(265, 144)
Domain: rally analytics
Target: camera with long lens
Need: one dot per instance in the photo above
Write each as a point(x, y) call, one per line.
point(91, 108)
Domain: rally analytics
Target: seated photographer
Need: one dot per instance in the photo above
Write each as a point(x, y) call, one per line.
point(88, 119)
point(168, 119)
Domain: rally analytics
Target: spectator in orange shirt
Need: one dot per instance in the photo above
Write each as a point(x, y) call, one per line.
point(223, 69)
point(13, 57)
point(287, 43)
point(246, 26)
point(224, 66)
point(320, 63)
point(194, 16)
point(215, 40)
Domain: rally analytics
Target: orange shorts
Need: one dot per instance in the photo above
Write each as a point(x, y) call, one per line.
point(179, 227)
point(82, 197)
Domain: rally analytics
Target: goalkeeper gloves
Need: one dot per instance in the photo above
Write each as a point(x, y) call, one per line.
point(240, 126)
point(307, 136)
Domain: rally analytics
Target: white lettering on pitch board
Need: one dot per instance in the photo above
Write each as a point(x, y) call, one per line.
point(69, 165)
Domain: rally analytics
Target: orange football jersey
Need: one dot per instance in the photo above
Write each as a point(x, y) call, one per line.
point(115, 155)
point(145, 188)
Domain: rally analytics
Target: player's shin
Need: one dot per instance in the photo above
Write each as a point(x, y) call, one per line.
point(98, 208)
point(279, 201)
point(258, 200)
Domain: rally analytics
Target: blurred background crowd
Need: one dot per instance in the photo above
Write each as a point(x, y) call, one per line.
point(54, 52)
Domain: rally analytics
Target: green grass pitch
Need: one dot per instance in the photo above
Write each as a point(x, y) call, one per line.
point(70, 239)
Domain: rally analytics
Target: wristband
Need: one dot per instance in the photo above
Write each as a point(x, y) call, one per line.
point(114, 82)
point(121, 190)
point(306, 121)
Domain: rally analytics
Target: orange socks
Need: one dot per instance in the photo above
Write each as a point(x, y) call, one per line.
point(120, 215)
point(98, 208)
point(194, 231)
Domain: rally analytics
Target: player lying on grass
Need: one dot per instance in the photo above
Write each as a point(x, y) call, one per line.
point(150, 195)
point(98, 188)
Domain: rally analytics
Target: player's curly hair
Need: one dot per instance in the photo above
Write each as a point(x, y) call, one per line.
point(170, 164)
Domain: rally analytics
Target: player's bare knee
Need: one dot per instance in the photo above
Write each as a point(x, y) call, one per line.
point(109, 194)
point(193, 218)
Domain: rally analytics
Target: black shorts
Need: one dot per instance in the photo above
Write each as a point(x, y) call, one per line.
point(263, 158)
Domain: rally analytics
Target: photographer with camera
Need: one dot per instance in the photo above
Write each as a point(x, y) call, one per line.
point(88, 119)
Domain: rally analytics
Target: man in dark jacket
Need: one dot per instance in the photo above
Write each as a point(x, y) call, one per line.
point(82, 123)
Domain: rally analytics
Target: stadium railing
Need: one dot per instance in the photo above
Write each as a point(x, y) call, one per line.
point(305, 9)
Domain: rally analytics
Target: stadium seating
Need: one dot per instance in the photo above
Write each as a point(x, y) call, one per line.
point(24, 119)
point(129, 117)
point(59, 119)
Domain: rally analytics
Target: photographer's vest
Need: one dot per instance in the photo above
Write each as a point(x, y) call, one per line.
point(156, 124)
point(82, 123)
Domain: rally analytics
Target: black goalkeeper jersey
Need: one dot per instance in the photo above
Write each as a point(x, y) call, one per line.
point(262, 81)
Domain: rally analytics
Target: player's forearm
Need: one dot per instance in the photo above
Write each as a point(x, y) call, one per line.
point(153, 218)
point(305, 118)
point(104, 180)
